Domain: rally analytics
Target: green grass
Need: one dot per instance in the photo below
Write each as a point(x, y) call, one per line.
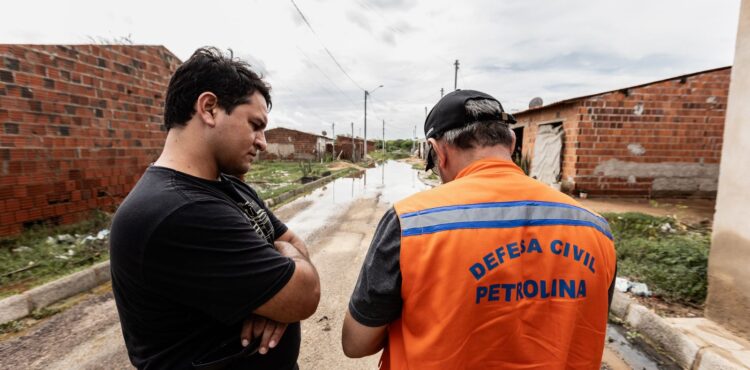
point(673, 263)
point(271, 178)
point(29, 259)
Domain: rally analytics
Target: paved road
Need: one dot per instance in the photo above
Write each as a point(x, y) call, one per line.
point(337, 221)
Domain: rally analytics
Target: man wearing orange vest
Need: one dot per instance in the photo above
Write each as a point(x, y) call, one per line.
point(490, 270)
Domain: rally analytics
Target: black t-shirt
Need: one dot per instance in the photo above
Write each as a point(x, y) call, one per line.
point(188, 267)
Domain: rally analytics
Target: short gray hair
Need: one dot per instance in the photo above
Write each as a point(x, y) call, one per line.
point(480, 133)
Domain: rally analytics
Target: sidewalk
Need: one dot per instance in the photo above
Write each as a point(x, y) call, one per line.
point(694, 343)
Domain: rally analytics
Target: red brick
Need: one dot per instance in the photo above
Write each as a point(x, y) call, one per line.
point(677, 124)
point(42, 154)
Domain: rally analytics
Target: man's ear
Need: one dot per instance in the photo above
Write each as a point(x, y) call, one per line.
point(440, 150)
point(206, 107)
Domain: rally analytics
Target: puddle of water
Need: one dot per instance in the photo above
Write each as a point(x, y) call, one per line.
point(392, 180)
point(635, 354)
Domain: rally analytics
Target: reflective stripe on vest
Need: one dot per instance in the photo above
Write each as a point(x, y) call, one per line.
point(500, 215)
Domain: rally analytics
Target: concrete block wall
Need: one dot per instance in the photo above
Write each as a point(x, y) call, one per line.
point(78, 126)
point(345, 144)
point(287, 144)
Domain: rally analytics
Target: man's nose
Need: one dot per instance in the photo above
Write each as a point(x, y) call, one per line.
point(260, 141)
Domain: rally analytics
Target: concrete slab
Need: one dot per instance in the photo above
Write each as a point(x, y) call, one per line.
point(14, 308)
point(718, 359)
point(52, 292)
point(620, 304)
point(722, 350)
point(657, 329)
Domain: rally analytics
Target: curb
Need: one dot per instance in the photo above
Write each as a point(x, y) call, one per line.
point(21, 305)
point(281, 198)
point(672, 341)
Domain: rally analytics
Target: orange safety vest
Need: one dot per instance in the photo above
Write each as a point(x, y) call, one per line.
point(499, 271)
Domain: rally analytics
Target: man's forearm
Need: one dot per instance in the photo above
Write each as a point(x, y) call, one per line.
point(290, 237)
point(287, 249)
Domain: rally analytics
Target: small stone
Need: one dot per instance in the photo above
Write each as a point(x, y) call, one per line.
point(21, 249)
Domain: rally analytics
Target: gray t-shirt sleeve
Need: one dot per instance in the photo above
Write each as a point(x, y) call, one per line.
point(376, 300)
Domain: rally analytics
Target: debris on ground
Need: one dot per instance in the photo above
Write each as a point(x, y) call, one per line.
point(624, 285)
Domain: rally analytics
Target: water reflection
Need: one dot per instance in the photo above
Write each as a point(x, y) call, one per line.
point(397, 181)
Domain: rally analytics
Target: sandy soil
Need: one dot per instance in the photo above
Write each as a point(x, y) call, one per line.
point(696, 212)
point(343, 164)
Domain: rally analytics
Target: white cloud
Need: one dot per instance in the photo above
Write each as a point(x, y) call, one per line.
point(514, 49)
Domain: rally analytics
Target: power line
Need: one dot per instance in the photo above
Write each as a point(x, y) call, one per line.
point(326, 76)
point(324, 46)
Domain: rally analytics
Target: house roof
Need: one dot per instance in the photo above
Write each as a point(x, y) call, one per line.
point(572, 100)
point(347, 137)
point(301, 132)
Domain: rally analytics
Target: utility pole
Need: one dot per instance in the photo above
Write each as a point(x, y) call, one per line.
point(366, 94)
point(414, 140)
point(354, 147)
point(455, 77)
point(333, 135)
point(441, 93)
point(384, 139)
point(365, 151)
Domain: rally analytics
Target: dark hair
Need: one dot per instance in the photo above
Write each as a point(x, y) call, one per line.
point(231, 80)
point(480, 133)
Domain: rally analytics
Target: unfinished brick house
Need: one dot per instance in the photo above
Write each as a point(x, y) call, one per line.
point(352, 149)
point(288, 144)
point(80, 123)
point(661, 138)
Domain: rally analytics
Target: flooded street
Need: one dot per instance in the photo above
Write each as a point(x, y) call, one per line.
point(388, 183)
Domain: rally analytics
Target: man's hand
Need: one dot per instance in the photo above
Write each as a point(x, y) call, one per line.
point(299, 298)
point(257, 326)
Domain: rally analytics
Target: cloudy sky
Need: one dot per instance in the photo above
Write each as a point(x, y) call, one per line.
point(320, 65)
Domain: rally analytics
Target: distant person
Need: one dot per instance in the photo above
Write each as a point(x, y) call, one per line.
point(491, 269)
point(195, 253)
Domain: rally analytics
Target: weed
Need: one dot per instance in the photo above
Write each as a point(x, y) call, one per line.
point(670, 259)
point(45, 252)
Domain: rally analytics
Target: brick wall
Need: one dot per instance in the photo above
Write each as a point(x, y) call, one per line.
point(79, 126)
point(657, 139)
point(344, 145)
point(287, 144)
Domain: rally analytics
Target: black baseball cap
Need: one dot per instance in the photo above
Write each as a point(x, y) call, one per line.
point(450, 113)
